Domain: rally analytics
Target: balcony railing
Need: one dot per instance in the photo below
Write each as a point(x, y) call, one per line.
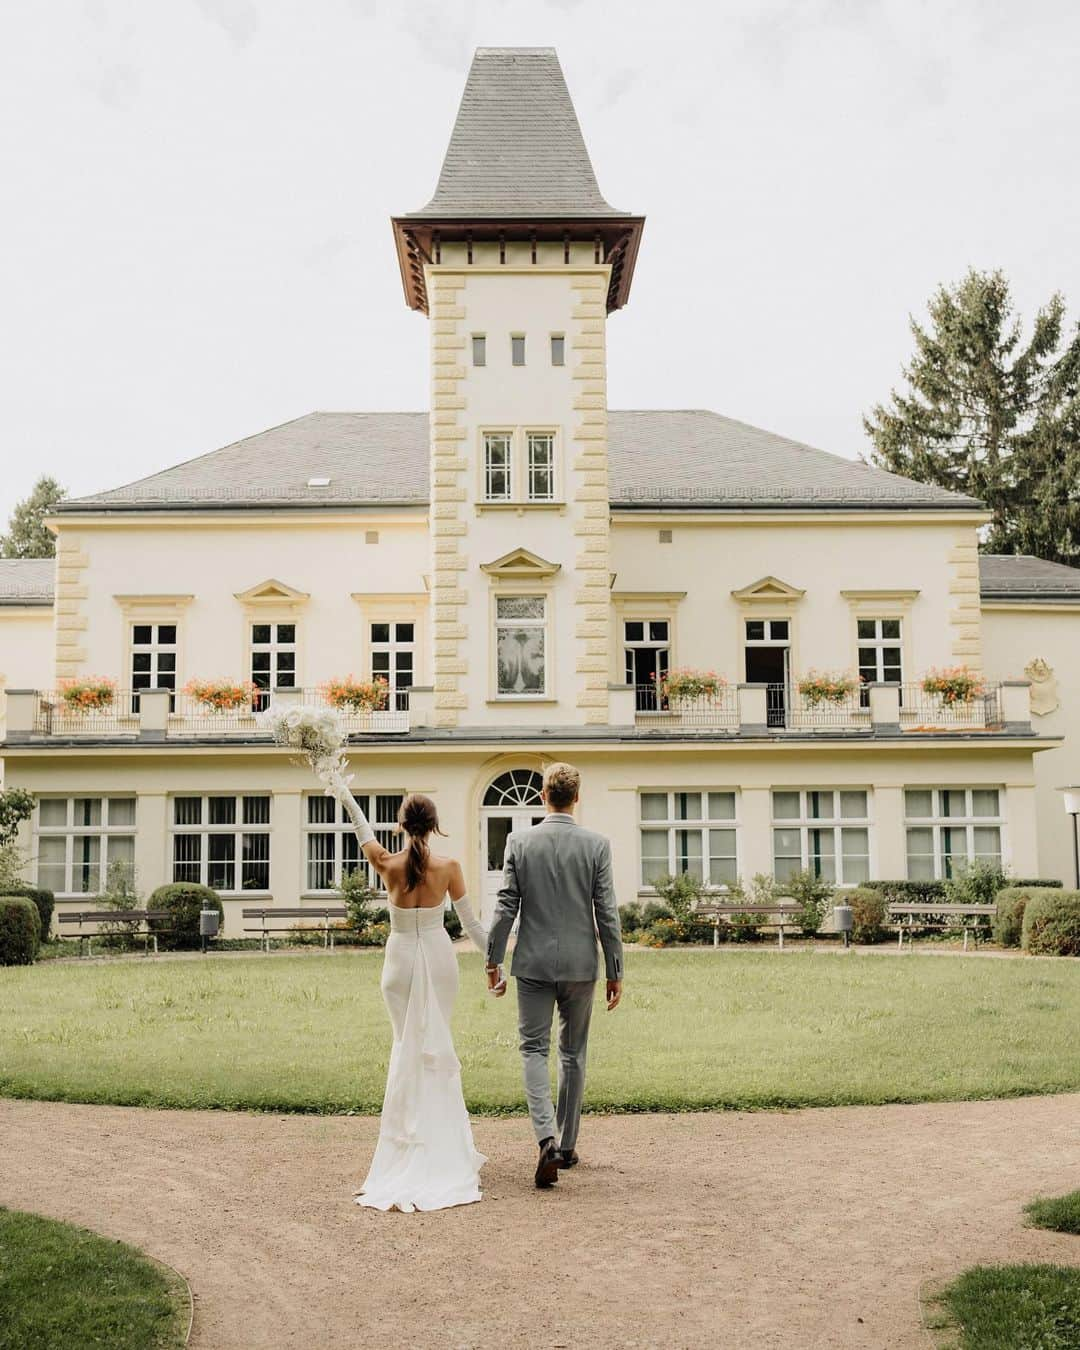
point(160, 715)
point(707, 712)
point(920, 711)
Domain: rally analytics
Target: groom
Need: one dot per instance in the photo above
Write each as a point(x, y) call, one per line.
point(558, 877)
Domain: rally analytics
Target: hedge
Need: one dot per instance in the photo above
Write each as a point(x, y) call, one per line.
point(20, 931)
point(43, 899)
point(1008, 923)
point(183, 900)
point(870, 912)
point(1052, 924)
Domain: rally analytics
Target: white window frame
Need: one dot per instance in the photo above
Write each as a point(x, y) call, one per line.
point(105, 832)
point(156, 649)
point(878, 644)
point(937, 822)
point(383, 818)
point(836, 824)
point(534, 439)
point(392, 648)
point(673, 825)
point(646, 642)
point(237, 828)
point(489, 443)
point(543, 624)
point(275, 648)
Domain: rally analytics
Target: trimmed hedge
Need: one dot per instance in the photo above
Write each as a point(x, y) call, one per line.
point(870, 912)
point(1052, 924)
point(20, 930)
point(183, 900)
point(1008, 923)
point(43, 899)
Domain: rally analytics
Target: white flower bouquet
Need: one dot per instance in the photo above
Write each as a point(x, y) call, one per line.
point(319, 733)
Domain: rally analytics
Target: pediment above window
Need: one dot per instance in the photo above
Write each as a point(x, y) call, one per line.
point(272, 592)
point(520, 565)
point(767, 591)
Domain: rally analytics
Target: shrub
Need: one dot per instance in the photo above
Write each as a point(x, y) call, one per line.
point(452, 923)
point(653, 911)
point(630, 918)
point(1050, 882)
point(976, 884)
point(1052, 924)
point(183, 900)
point(909, 892)
point(16, 805)
point(120, 894)
point(813, 894)
point(1008, 923)
point(359, 898)
point(375, 935)
point(43, 899)
point(679, 893)
point(869, 912)
point(20, 930)
point(664, 932)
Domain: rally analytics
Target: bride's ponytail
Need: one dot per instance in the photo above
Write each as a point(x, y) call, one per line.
point(418, 818)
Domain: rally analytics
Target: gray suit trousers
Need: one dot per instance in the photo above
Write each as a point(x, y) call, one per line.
point(537, 1001)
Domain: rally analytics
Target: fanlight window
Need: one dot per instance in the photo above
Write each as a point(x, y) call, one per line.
point(519, 787)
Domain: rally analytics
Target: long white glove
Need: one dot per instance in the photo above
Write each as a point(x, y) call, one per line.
point(364, 833)
point(471, 924)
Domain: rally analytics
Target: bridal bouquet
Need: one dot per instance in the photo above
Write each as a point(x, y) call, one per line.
point(319, 733)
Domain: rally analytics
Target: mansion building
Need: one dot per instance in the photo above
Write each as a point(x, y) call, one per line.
point(530, 572)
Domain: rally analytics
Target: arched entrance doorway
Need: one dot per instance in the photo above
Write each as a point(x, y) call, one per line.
point(512, 802)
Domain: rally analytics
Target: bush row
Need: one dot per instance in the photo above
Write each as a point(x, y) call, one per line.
point(20, 930)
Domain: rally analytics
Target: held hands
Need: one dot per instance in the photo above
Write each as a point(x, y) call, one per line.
point(496, 980)
point(614, 994)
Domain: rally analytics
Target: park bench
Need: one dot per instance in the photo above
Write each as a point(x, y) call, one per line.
point(779, 916)
point(268, 921)
point(906, 918)
point(92, 923)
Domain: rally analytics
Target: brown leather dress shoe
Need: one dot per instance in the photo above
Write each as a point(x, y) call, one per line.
point(568, 1157)
point(547, 1168)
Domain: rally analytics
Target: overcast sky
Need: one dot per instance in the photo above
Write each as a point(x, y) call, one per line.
point(195, 245)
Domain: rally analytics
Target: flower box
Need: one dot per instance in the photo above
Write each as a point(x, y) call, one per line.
point(683, 685)
point(356, 695)
point(91, 693)
point(822, 686)
point(954, 685)
point(222, 695)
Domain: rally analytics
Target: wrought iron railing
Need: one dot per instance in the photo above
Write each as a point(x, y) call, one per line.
point(802, 712)
point(707, 712)
point(57, 716)
point(923, 711)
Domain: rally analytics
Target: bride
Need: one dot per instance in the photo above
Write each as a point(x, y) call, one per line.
point(425, 1157)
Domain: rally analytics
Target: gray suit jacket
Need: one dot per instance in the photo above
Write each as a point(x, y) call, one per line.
point(558, 877)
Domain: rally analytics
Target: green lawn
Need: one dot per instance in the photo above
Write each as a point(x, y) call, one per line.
point(1061, 1213)
point(61, 1287)
point(697, 1030)
point(1009, 1308)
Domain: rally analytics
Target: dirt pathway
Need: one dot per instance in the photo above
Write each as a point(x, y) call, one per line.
point(803, 1229)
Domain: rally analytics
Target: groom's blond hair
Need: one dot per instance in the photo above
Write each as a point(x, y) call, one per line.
point(562, 783)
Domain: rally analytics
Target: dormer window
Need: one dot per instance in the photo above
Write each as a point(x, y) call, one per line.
point(479, 349)
point(517, 349)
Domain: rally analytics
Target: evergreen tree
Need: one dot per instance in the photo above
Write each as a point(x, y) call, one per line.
point(27, 536)
point(990, 415)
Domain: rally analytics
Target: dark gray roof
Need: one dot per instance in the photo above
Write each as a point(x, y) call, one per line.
point(669, 459)
point(516, 149)
point(1004, 576)
point(27, 581)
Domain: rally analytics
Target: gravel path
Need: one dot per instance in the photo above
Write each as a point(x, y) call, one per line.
point(810, 1228)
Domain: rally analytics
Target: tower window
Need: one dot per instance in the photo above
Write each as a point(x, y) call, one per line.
point(517, 349)
point(558, 349)
point(497, 452)
point(479, 349)
point(541, 448)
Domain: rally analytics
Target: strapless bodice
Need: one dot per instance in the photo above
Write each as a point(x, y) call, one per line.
point(415, 921)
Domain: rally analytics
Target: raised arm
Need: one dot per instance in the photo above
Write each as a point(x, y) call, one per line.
point(470, 923)
point(506, 909)
point(606, 912)
point(372, 850)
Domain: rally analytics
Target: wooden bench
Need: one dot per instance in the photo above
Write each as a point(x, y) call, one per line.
point(779, 916)
point(265, 929)
point(133, 922)
point(970, 919)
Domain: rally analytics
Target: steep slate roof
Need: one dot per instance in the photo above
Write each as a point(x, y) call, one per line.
point(26, 581)
point(1005, 576)
point(516, 148)
point(658, 459)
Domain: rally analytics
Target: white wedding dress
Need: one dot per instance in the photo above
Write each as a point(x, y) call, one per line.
point(425, 1157)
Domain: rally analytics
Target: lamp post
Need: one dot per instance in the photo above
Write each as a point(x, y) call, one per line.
point(1072, 807)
